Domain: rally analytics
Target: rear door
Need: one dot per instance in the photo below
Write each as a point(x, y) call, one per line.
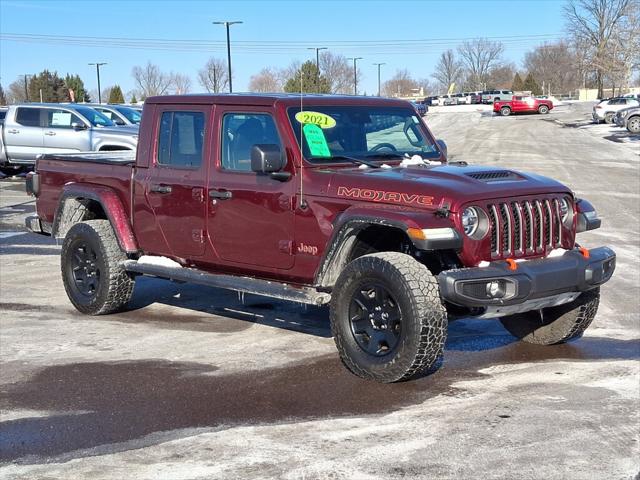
point(59, 134)
point(175, 188)
point(251, 215)
point(23, 135)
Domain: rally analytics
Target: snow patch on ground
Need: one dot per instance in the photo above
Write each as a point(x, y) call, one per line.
point(158, 261)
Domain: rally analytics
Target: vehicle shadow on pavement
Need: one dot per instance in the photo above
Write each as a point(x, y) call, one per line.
point(102, 407)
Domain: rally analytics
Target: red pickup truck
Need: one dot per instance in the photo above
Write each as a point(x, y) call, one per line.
point(522, 104)
point(324, 199)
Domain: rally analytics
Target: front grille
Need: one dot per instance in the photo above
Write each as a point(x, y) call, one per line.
point(524, 227)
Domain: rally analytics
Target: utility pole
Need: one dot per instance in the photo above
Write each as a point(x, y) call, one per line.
point(98, 65)
point(26, 86)
point(355, 74)
point(317, 49)
point(227, 25)
point(379, 65)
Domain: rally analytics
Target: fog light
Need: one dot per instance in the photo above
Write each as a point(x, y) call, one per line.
point(495, 289)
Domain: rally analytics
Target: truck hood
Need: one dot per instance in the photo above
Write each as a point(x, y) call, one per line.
point(122, 130)
point(432, 187)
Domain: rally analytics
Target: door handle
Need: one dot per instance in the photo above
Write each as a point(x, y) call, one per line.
point(13, 130)
point(160, 189)
point(220, 194)
point(50, 134)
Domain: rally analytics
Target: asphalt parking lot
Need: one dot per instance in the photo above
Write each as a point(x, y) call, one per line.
point(197, 383)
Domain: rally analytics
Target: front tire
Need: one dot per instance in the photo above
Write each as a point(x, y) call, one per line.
point(554, 325)
point(387, 319)
point(633, 125)
point(92, 274)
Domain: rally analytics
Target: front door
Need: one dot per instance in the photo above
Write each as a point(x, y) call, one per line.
point(175, 188)
point(59, 134)
point(250, 218)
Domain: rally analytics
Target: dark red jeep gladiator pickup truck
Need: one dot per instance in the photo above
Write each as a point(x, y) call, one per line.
point(324, 199)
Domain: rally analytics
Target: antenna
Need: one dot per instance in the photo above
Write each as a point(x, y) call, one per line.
point(302, 202)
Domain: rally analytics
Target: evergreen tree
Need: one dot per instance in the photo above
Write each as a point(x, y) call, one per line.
point(133, 100)
point(3, 98)
point(312, 82)
point(518, 84)
point(116, 96)
point(531, 85)
point(74, 83)
point(51, 85)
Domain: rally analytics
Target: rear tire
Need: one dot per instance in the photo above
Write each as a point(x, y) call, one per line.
point(554, 325)
point(505, 111)
point(543, 109)
point(92, 273)
point(608, 118)
point(387, 318)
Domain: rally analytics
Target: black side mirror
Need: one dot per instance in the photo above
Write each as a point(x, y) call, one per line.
point(266, 158)
point(78, 126)
point(443, 147)
point(119, 122)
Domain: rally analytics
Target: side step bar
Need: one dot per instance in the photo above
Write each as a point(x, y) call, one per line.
point(241, 284)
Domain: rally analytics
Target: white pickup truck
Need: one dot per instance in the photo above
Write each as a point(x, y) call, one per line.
point(33, 129)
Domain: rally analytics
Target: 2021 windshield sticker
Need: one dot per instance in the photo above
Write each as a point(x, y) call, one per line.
point(315, 140)
point(316, 118)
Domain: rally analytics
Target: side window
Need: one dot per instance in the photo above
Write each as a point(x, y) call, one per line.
point(29, 117)
point(180, 139)
point(61, 119)
point(240, 132)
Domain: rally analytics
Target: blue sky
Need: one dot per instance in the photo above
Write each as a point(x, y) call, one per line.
point(378, 31)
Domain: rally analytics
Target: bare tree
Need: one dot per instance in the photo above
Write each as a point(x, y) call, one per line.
point(15, 92)
point(448, 70)
point(267, 80)
point(400, 85)
point(214, 77)
point(501, 76)
point(339, 71)
point(479, 57)
point(151, 80)
point(554, 66)
point(609, 31)
point(181, 83)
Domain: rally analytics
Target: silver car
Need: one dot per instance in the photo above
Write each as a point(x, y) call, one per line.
point(35, 128)
point(119, 114)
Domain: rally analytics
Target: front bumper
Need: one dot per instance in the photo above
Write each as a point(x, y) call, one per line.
point(548, 278)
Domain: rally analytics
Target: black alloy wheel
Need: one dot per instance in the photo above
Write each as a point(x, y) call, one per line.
point(376, 319)
point(84, 269)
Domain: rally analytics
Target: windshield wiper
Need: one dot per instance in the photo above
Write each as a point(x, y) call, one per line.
point(359, 161)
point(385, 155)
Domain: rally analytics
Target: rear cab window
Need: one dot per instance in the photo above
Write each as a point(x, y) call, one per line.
point(180, 139)
point(28, 117)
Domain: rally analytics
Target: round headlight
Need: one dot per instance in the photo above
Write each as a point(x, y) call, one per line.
point(566, 211)
point(470, 220)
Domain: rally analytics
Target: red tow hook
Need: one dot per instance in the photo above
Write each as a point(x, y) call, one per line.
point(584, 251)
point(512, 264)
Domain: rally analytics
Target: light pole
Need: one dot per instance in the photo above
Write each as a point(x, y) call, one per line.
point(379, 65)
point(227, 25)
point(317, 49)
point(355, 74)
point(98, 65)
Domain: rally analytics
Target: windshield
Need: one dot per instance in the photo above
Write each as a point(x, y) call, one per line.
point(134, 116)
point(333, 132)
point(95, 118)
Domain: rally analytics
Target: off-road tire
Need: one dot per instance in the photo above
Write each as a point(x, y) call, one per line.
point(114, 285)
point(505, 111)
point(543, 109)
point(633, 124)
point(423, 327)
point(608, 117)
point(554, 325)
